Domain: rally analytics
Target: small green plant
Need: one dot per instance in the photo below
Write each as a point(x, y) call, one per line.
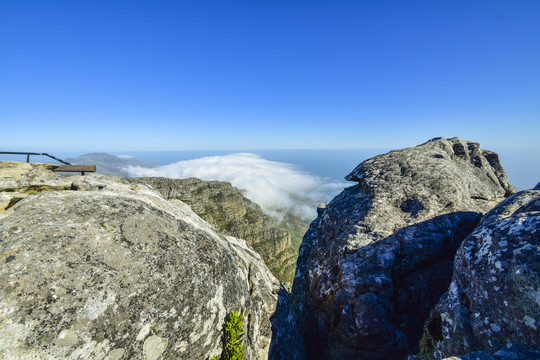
point(234, 333)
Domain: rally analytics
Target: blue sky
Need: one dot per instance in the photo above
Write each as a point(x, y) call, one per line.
point(284, 74)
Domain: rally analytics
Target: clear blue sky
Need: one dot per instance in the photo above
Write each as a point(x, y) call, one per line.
point(291, 74)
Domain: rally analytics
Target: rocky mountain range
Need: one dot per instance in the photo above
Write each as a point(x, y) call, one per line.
point(431, 254)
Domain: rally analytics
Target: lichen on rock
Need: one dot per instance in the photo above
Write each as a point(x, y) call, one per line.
point(493, 302)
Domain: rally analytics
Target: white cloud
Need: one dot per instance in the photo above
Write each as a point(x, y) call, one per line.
point(277, 187)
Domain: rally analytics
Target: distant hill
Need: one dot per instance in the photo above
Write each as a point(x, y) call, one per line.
point(108, 164)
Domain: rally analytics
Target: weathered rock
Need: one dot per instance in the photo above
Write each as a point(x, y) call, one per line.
point(494, 298)
point(378, 257)
point(229, 211)
point(111, 270)
point(18, 180)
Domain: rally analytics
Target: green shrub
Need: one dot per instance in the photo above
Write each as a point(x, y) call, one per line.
point(234, 333)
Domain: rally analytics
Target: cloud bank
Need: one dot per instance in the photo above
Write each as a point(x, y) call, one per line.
point(279, 188)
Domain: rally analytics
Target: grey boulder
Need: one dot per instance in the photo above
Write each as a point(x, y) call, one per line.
point(494, 299)
point(96, 268)
point(379, 255)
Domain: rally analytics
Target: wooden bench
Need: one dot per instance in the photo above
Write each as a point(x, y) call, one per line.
point(67, 167)
point(75, 168)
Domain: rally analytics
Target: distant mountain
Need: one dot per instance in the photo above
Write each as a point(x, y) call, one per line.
point(108, 164)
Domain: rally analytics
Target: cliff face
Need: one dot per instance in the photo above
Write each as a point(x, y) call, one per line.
point(96, 267)
point(380, 255)
point(228, 210)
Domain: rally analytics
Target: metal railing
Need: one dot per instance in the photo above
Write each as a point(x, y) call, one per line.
point(67, 167)
point(33, 153)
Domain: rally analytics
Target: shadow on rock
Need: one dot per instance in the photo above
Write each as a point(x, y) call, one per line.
point(374, 300)
point(286, 339)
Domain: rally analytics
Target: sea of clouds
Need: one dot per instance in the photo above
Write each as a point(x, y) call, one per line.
point(278, 187)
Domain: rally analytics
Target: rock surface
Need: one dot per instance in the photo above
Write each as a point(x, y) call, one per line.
point(94, 267)
point(230, 212)
point(494, 298)
point(379, 255)
point(18, 180)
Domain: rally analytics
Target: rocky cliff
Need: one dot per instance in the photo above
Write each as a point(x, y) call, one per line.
point(95, 267)
point(379, 255)
point(493, 302)
point(229, 211)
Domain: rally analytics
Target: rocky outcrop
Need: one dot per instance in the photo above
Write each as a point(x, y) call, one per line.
point(18, 180)
point(379, 255)
point(95, 267)
point(493, 301)
point(229, 211)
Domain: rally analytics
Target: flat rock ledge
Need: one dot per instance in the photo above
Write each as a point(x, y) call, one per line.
point(96, 268)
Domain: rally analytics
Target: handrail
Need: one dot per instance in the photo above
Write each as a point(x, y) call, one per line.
point(33, 153)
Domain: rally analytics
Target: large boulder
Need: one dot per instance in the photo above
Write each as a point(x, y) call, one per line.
point(379, 255)
point(493, 301)
point(94, 267)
